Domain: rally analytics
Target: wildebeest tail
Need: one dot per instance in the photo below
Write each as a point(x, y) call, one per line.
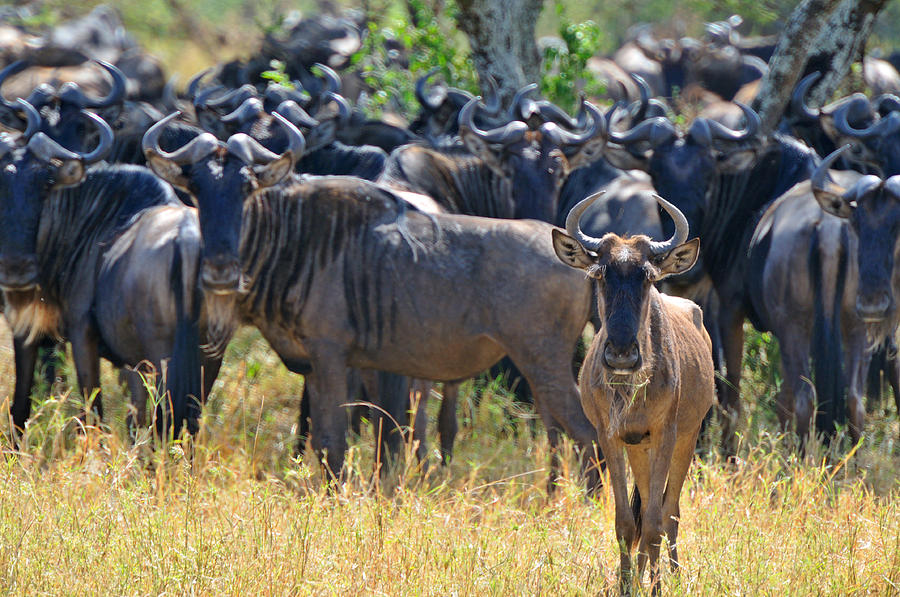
point(184, 371)
point(830, 382)
point(636, 513)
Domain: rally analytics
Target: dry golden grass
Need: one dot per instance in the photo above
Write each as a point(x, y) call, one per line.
point(92, 514)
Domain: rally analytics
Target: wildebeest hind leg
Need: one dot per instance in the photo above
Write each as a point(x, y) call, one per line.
point(447, 423)
point(137, 387)
point(678, 470)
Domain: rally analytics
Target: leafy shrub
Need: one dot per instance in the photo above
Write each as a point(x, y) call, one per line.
point(430, 41)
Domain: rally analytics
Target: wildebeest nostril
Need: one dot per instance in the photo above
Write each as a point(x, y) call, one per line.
point(18, 271)
point(626, 357)
point(220, 274)
point(873, 307)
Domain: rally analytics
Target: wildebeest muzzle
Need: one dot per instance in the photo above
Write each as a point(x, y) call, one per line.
point(220, 276)
point(622, 358)
point(18, 272)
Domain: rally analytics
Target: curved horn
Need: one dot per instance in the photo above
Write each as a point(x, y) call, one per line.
point(343, 107)
point(421, 95)
point(820, 180)
point(199, 147)
point(233, 97)
point(295, 114)
point(655, 130)
point(492, 106)
point(564, 137)
point(250, 109)
point(193, 85)
point(640, 111)
point(106, 139)
point(251, 151)
point(886, 103)
point(201, 100)
point(681, 228)
point(13, 69)
point(881, 127)
point(798, 101)
point(72, 93)
point(47, 149)
point(116, 94)
point(510, 133)
point(720, 131)
point(515, 108)
point(550, 112)
point(169, 97)
point(33, 118)
point(330, 79)
point(573, 222)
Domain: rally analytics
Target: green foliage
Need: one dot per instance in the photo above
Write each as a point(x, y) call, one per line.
point(564, 74)
point(429, 40)
point(278, 74)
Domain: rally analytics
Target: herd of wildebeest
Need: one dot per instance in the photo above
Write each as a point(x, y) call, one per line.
point(145, 227)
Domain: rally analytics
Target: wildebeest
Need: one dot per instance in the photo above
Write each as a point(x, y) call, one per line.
point(647, 381)
point(105, 257)
point(721, 179)
point(504, 172)
point(339, 272)
point(824, 256)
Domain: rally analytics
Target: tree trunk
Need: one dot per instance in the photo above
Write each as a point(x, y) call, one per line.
point(829, 35)
point(501, 36)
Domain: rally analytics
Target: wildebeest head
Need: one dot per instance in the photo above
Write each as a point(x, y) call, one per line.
point(683, 166)
point(61, 107)
point(871, 207)
point(534, 163)
point(870, 126)
point(624, 271)
point(220, 176)
point(31, 166)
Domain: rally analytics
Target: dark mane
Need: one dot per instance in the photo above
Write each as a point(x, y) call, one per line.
point(78, 222)
point(458, 180)
point(291, 234)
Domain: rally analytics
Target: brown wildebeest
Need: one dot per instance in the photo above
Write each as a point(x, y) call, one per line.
point(647, 380)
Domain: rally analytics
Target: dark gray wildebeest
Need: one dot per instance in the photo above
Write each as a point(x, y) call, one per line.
point(339, 272)
point(824, 257)
point(722, 180)
point(648, 379)
point(511, 171)
point(105, 257)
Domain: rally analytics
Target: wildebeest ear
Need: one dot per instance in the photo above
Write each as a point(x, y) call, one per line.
point(482, 149)
point(735, 161)
point(678, 260)
point(273, 172)
point(69, 172)
point(623, 159)
point(570, 251)
point(168, 170)
point(833, 202)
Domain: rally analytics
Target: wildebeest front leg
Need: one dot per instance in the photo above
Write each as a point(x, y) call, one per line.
point(327, 397)
point(659, 458)
point(626, 529)
point(85, 354)
point(25, 356)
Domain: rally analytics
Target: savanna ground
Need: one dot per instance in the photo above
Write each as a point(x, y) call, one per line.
point(89, 513)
